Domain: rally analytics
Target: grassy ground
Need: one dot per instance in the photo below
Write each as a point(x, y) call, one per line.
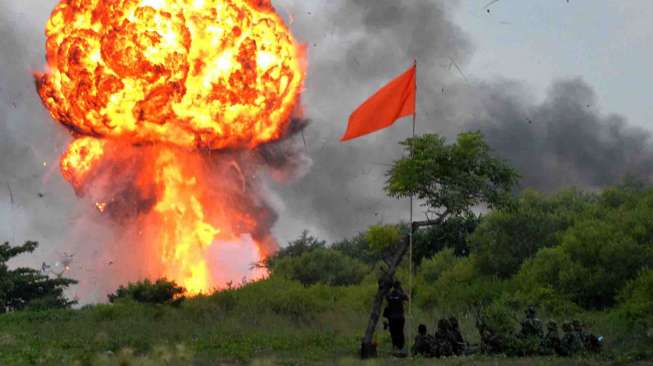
point(268, 323)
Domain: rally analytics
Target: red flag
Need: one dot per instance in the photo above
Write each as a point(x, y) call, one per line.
point(395, 100)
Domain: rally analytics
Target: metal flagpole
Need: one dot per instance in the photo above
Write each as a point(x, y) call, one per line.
point(410, 235)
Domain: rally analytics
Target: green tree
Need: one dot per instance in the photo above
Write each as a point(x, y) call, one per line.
point(450, 180)
point(25, 288)
point(451, 234)
point(304, 244)
point(358, 248)
point(507, 237)
point(322, 265)
point(161, 291)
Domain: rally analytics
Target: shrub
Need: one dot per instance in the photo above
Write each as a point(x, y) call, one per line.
point(160, 292)
point(322, 265)
point(636, 298)
point(506, 238)
point(431, 269)
point(357, 248)
point(304, 244)
point(460, 288)
point(595, 260)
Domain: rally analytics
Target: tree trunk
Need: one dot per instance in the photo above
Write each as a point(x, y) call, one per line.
point(385, 283)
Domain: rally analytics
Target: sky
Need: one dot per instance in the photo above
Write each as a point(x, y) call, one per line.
point(560, 88)
point(605, 42)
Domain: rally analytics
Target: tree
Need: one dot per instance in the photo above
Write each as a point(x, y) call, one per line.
point(508, 237)
point(304, 244)
point(24, 288)
point(450, 180)
point(160, 292)
point(322, 265)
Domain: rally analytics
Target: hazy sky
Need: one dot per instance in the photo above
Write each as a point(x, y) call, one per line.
point(512, 55)
point(606, 42)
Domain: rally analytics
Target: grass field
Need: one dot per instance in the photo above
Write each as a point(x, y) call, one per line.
point(274, 322)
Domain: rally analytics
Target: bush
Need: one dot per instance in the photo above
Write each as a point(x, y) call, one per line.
point(636, 298)
point(160, 292)
point(321, 265)
point(304, 244)
point(594, 261)
point(357, 248)
point(431, 269)
point(506, 238)
point(460, 288)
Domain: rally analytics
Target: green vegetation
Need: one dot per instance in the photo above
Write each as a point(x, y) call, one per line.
point(574, 255)
point(25, 288)
point(161, 291)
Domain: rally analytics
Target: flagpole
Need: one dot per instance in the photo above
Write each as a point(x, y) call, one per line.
point(410, 235)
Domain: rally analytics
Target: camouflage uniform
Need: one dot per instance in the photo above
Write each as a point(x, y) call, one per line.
point(491, 342)
point(455, 337)
point(571, 342)
point(531, 326)
point(529, 339)
point(423, 343)
point(590, 342)
point(551, 342)
point(443, 346)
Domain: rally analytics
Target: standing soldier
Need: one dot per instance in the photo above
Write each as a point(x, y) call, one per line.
point(394, 312)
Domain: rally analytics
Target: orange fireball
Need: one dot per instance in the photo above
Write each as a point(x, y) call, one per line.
point(194, 73)
point(150, 88)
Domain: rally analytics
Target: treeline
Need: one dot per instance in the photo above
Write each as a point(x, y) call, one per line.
point(569, 253)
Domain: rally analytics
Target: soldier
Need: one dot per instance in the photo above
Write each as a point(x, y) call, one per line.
point(455, 337)
point(443, 345)
point(394, 312)
point(491, 342)
point(531, 326)
point(570, 343)
point(423, 342)
point(551, 342)
point(590, 342)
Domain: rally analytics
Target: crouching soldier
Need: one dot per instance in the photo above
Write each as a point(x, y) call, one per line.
point(423, 343)
point(551, 341)
point(570, 344)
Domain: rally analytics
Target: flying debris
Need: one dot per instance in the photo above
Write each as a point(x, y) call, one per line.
point(488, 5)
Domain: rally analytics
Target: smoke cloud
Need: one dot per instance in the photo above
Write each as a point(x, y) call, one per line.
point(357, 46)
point(330, 188)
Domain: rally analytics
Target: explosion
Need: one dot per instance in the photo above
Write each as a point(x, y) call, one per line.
point(167, 100)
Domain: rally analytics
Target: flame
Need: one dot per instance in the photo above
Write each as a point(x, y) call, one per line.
point(101, 206)
point(210, 73)
point(149, 88)
point(79, 159)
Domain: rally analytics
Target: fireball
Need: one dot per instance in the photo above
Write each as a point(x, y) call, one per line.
point(150, 88)
point(194, 73)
